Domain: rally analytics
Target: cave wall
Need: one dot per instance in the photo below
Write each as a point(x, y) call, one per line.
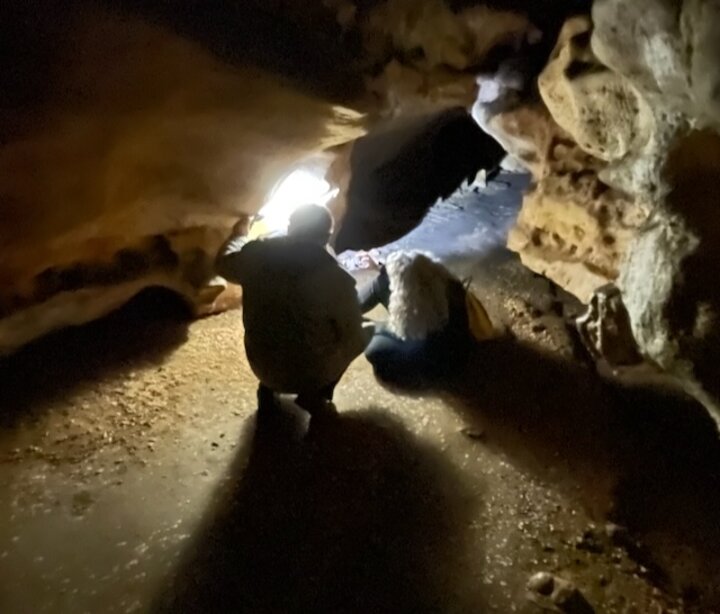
point(574, 227)
point(634, 93)
point(131, 160)
point(668, 279)
point(133, 134)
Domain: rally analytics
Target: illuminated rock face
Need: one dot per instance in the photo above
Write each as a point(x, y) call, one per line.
point(669, 278)
point(439, 49)
point(636, 94)
point(574, 227)
point(131, 170)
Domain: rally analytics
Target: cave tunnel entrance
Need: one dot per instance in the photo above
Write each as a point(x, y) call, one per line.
point(412, 185)
point(399, 172)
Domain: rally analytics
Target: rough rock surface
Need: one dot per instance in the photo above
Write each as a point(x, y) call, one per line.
point(582, 95)
point(506, 109)
point(525, 131)
point(669, 281)
point(605, 329)
point(436, 49)
point(573, 227)
point(130, 173)
point(636, 93)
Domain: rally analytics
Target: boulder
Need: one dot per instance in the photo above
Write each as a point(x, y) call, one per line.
point(600, 109)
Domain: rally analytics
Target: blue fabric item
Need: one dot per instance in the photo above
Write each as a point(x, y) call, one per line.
point(415, 363)
point(375, 293)
point(421, 362)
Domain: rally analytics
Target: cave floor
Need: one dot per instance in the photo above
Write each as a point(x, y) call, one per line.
point(135, 477)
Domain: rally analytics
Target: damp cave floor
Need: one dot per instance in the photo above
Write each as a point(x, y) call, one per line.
point(135, 477)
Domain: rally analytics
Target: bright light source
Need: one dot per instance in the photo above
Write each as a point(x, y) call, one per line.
point(301, 187)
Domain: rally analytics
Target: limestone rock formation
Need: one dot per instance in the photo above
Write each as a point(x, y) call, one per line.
point(435, 50)
point(506, 110)
point(670, 279)
point(637, 93)
point(573, 227)
point(129, 171)
point(668, 282)
point(605, 329)
point(526, 132)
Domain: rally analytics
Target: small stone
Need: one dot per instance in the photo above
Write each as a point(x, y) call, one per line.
point(542, 583)
point(475, 434)
point(590, 543)
point(570, 600)
point(616, 533)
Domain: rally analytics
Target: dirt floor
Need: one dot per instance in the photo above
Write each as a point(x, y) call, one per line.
point(136, 478)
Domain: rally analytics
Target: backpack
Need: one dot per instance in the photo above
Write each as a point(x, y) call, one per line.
point(478, 320)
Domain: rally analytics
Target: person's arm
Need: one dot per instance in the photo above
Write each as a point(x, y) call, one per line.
point(375, 293)
point(228, 256)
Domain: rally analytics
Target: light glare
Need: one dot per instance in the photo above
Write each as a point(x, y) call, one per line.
point(301, 187)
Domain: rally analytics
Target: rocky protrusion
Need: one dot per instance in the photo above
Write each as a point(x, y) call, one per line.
point(574, 228)
point(606, 331)
point(669, 281)
point(557, 594)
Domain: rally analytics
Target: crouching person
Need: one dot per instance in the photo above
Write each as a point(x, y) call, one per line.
point(433, 321)
point(303, 325)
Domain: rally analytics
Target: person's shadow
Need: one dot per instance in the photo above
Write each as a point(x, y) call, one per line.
point(355, 515)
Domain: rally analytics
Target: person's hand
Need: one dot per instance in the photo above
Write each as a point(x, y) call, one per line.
point(367, 262)
point(241, 227)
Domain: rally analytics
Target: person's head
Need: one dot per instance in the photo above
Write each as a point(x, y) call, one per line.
point(311, 223)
